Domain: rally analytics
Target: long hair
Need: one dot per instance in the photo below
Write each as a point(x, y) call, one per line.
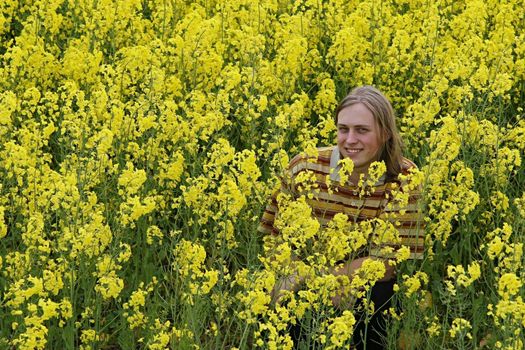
point(379, 105)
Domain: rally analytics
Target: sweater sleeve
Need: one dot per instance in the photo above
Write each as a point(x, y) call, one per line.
point(407, 219)
point(267, 222)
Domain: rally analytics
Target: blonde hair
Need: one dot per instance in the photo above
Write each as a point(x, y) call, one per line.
point(379, 105)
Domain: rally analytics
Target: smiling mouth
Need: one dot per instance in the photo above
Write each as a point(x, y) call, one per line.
point(353, 151)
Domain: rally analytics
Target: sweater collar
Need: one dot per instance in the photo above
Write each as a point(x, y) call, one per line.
point(335, 167)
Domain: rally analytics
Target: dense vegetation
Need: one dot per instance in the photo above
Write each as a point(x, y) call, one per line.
point(142, 139)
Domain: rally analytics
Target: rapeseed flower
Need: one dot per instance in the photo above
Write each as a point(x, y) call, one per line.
point(414, 283)
point(340, 329)
point(508, 285)
point(460, 327)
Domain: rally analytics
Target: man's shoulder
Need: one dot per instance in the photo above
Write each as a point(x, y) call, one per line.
point(319, 162)
point(407, 164)
point(321, 154)
point(326, 151)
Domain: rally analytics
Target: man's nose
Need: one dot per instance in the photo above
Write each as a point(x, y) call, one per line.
point(351, 136)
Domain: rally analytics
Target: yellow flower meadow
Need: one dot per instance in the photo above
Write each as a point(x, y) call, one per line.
point(141, 141)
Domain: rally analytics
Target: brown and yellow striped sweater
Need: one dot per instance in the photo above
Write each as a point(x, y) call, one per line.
point(345, 199)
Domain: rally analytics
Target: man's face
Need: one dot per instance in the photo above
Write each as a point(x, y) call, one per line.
point(358, 136)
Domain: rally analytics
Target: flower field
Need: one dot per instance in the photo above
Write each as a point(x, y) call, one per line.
point(141, 140)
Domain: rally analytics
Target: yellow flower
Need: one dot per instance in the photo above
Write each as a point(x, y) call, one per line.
point(460, 327)
point(49, 309)
point(53, 280)
point(153, 232)
point(347, 167)
point(508, 285)
point(341, 329)
point(414, 283)
point(131, 180)
point(109, 285)
point(125, 254)
point(518, 202)
point(135, 207)
point(88, 336)
point(189, 263)
point(173, 170)
point(375, 171)
point(3, 226)
point(458, 276)
point(295, 222)
point(8, 104)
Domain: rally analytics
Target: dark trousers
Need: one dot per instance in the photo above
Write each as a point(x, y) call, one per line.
point(373, 333)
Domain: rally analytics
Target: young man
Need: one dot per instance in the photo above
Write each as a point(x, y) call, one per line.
point(366, 133)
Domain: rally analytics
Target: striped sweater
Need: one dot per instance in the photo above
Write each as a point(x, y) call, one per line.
point(345, 199)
